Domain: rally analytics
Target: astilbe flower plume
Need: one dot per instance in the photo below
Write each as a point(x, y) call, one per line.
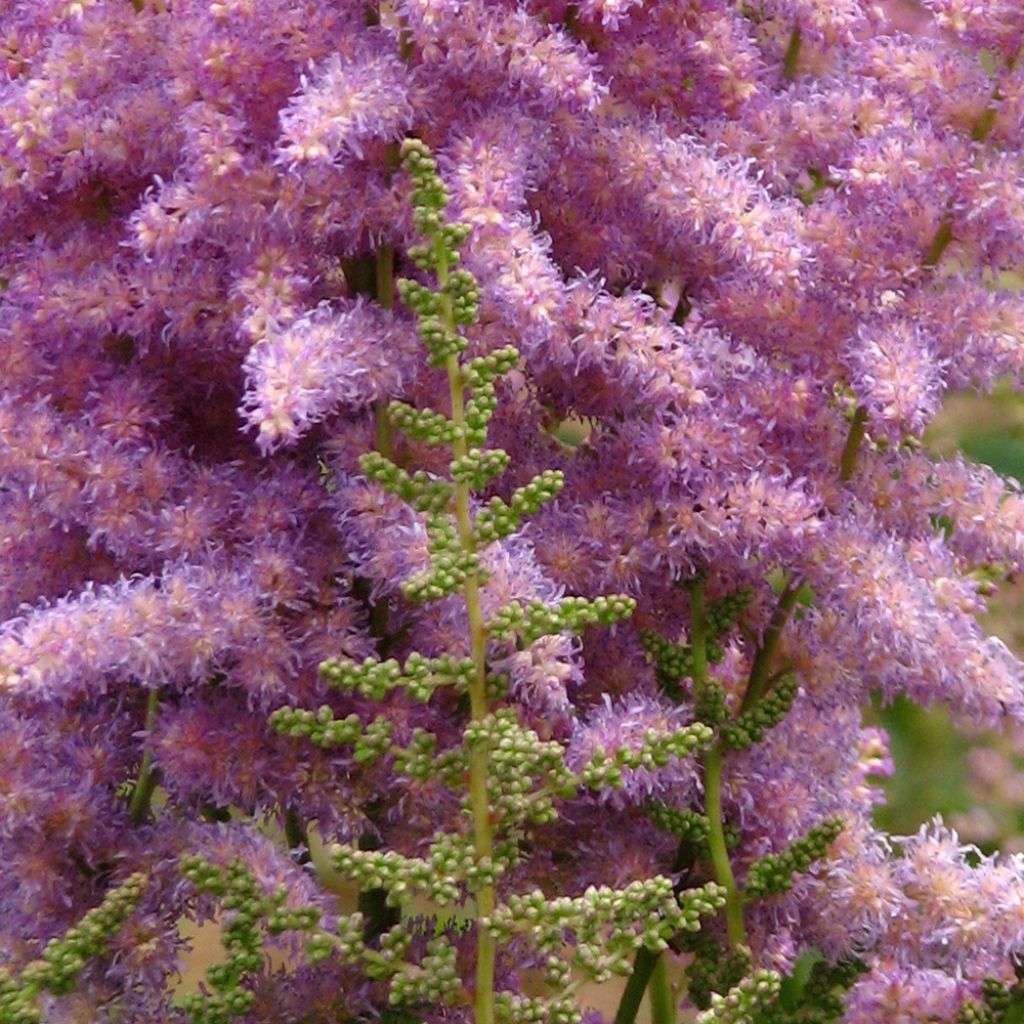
point(742, 251)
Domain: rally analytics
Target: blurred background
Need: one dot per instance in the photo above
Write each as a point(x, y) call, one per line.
point(975, 780)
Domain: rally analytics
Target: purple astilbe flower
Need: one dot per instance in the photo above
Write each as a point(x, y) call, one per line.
point(106, 635)
point(998, 26)
point(542, 678)
point(905, 995)
point(713, 230)
point(895, 376)
point(912, 616)
point(322, 360)
point(497, 43)
point(491, 170)
point(625, 723)
point(610, 13)
point(350, 100)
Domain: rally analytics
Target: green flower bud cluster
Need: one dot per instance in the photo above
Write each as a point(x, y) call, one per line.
point(453, 236)
point(416, 761)
point(723, 614)
point(324, 730)
point(689, 827)
point(419, 676)
point(498, 520)
point(463, 293)
point(460, 293)
point(656, 751)
point(526, 772)
point(607, 925)
point(433, 428)
point(517, 1009)
point(745, 1002)
point(450, 564)
point(750, 727)
point(714, 968)
point(773, 873)
point(251, 907)
point(484, 370)
point(709, 702)
point(997, 1004)
point(674, 662)
point(348, 943)
point(63, 959)
point(440, 342)
point(434, 980)
point(479, 467)
point(451, 860)
point(423, 492)
point(479, 375)
point(537, 619)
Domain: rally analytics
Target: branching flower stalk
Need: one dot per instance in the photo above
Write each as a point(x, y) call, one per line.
point(513, 779)
point(479, 704)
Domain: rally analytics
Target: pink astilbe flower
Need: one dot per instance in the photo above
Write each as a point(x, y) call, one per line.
point(299, 375)
point(723, 237)
point(896, 376)
point(349, 101)
point(905, 995)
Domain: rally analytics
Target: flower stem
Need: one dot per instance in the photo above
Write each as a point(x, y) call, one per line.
point(760, 670)
point(483, 999)
point(848, 460)
point(633, 994)
point(142, 794)
point(716, 843)
point(792, 53)
point(713, 777)
point(663, 1009)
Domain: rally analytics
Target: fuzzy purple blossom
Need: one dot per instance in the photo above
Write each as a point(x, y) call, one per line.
point(743, 251)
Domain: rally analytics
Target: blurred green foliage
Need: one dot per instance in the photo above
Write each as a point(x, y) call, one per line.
point(929, 753)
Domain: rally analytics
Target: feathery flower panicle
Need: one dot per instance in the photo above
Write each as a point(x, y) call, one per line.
point(998, 26)
point(743, 250)
point(322, 360)
point(610, 13)
point(348, 102)
point(896, 376)
point(504, 46)
point(905, 995)
point(178, 627)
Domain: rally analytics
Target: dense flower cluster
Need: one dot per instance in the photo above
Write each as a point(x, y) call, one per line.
point(742, 250)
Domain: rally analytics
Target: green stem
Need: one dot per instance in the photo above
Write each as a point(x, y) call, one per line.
point(760, 670)
point(663, 1008)
point(633, 994)
point(384, 290)
point(483, 840)
point(943, 236)
point(713, 776)
point(848, 460)
point(698, 636)
point(142, 794)
point(719, 852)
point(792, 53)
